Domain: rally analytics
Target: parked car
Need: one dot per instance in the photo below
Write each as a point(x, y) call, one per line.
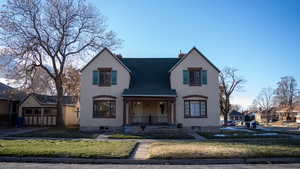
point(231, 123)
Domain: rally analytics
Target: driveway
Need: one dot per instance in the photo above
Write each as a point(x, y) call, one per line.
point(88, 166)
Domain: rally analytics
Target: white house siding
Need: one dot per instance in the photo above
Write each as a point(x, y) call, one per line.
point(211, 90)
point(88, 91)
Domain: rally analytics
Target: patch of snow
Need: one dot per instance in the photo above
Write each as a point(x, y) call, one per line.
point(236, 129)
point(220, 135)
point(266, 134)
point(262, 128)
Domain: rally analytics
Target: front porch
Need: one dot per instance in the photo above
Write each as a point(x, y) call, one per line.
point(149, 111)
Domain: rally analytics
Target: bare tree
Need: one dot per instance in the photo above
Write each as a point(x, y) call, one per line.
point(265, 101)
point(235, 107)
point(287, 92)
point(71, 79)
point(47, 34)
point(229, 83)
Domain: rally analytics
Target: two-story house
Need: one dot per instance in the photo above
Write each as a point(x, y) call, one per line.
point(118, 91)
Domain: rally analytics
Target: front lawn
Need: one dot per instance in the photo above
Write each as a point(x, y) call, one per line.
point(241, 134)
point(152, 135)
point(251, 149)
point(59, 133)
point(55, 148)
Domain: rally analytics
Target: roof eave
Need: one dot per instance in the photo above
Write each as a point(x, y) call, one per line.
point(144, 95)
point(194, 48)
point(81, 70)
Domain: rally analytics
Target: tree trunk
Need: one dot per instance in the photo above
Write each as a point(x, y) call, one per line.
point(227, 109)
point(225, 119)
point(59, 104)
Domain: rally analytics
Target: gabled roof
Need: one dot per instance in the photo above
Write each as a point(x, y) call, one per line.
point(106, 49)
point(183, 57)
point(46, 99)
point(4, 87)
point(10, 93)
point(235, 113)
point(296, 108)
point(149, 76)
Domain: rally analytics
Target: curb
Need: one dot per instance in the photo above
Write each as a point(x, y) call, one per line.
point(150, 161)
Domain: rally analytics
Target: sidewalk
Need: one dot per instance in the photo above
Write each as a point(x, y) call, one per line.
point(14, 131)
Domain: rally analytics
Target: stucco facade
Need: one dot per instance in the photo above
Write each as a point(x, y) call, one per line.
point(211, 91)
point(105, 59)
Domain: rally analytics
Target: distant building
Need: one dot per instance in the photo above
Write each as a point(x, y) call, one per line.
point(236, 116)
point(265, 116)
point(288, 115)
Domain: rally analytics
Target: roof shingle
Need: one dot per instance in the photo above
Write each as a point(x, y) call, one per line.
point(149, 76)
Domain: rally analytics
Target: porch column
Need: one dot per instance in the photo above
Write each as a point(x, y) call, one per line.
point(174, 111)
point(42, 117)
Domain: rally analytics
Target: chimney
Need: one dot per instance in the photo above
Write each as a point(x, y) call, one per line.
point(119, 56)
point(181, 54)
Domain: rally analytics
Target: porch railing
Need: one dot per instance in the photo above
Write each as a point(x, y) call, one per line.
point(149, 119)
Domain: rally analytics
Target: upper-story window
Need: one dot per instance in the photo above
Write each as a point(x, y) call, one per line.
point(105, 77)
point(195, 76)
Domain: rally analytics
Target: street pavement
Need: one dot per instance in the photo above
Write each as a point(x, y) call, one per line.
point(92, 166)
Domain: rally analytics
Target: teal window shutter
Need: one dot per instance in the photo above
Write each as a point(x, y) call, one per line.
point(95, 77)
point(186, 77)
point(204, 77)
point(114, 77)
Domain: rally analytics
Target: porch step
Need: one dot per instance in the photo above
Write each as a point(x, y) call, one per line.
point(150, 128)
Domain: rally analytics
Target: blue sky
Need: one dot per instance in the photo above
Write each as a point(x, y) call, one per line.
point(260, 38)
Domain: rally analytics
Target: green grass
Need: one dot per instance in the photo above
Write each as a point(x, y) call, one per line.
point(239, 135)
point(152, 135)
point(202, 150)
point(59, 133)
point(55, 148)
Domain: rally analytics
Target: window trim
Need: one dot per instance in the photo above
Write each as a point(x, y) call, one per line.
point(189, 116)
point(110, 117)
point(108, 69)
point(191, 69)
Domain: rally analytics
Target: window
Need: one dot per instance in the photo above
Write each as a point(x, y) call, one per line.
point(195, 108)
point(195, 76)
point(105, 77)
point(104, 109)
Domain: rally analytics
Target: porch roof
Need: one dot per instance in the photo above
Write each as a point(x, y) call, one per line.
point(150, 92)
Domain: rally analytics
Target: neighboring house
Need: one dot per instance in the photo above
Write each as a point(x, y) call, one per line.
point(118, 91)
point(266, 116)
point(288, 115)
point(236, 116)
point(9, 103)
point(40, 110)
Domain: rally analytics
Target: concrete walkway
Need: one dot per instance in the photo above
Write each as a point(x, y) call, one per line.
point(141, 151)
